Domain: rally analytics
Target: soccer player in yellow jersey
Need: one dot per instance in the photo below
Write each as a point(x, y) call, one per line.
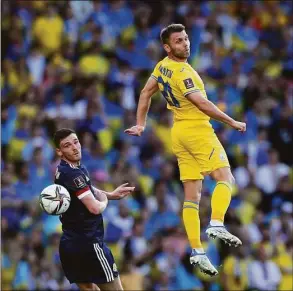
point(194, 142)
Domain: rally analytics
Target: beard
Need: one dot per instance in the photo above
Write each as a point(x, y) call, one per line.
point(73, 158)
point(181, 54)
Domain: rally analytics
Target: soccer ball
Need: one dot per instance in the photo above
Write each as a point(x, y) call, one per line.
point(55, 199)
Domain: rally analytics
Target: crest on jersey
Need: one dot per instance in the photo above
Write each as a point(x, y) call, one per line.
point(222, 156)
point(79, 182)
point(188, 83)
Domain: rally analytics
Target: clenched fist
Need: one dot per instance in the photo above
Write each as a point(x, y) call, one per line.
point(240, 126)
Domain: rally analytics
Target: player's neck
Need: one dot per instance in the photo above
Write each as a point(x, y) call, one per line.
point(76, 164)
point(173, 58)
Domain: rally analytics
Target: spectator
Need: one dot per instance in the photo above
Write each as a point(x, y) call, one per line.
point(47, 29)
point(284, 261)
point(235, 269)
point(268, 175)
point(81, 64)
point(263, 273)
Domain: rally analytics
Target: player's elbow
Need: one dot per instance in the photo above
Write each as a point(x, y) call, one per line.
point(198, 100)
point(94, 210)
point(203, 105)
point(145, 95)
point(97, 208)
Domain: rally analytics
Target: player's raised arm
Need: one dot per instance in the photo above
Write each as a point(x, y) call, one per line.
point(150, 88)
point(119, 193)
point(213, 111)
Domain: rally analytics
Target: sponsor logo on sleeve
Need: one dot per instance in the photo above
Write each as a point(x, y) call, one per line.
point(188, 83)
point(79, 182)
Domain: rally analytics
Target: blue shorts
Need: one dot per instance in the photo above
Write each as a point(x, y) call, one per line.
point(85, 262)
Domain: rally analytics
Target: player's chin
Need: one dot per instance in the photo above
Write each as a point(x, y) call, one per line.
point(76, 157)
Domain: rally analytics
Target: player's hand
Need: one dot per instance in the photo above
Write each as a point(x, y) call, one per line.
point(240, 126)
point(121, 191)
point(136, 130)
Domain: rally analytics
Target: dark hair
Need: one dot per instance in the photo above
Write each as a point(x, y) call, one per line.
point(61, 134)
point(167, 31)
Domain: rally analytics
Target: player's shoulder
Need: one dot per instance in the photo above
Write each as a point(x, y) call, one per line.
point(184, 67)
point(66, 169)
point(183, 70)
point(68, 174)
point(159, 63)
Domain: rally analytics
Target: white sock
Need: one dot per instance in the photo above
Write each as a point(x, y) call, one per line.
point(216, 223)
point(199, 250)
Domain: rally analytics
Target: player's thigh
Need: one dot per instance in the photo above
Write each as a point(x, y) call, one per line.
point(188, 166)
point(87, 262)
point(88, 287)
point(115, 285)
point(208, 151)
point(73, 262)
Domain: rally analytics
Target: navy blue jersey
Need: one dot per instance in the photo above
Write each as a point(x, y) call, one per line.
point(78, 222)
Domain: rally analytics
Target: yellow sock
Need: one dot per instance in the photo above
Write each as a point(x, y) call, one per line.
point(192, 223)
point(221, 200)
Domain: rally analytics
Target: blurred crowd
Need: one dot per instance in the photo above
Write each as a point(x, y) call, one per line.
point(82, 64)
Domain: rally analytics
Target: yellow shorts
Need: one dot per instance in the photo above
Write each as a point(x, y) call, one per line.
point(197, 149)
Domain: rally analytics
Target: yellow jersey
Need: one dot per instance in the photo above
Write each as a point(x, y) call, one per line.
point(176, 80)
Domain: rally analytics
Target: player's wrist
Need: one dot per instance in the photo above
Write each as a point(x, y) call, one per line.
point(141, 126)
point(231, 122)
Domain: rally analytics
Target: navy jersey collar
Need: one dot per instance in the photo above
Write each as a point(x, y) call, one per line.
point(63, 163)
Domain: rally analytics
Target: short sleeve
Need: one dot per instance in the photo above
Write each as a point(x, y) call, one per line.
point(74, 181)
point(156, 73)
point(186, 81)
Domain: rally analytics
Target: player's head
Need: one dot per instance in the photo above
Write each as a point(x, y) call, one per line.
point(67, 145)
point(175, 41)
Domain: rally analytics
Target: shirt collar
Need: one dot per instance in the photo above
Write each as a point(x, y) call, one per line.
point(63, 163)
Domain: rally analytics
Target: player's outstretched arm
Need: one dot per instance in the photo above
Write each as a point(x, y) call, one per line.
point(119, 193)
point(150, 88)
point(213, 111)
point(93, 205)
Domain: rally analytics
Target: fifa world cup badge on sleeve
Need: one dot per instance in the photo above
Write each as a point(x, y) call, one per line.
point(188, 83)
point(79, 182)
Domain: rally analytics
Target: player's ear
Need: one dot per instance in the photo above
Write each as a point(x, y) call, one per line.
point(58, 152)
point(167, 48)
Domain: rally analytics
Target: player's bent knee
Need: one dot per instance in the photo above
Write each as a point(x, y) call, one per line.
point(88, 287)
point(112, 286)
point(192, 190)
point(223, 174)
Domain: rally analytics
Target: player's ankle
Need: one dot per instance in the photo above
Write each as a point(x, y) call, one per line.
point(199, 250)
point(216, 222)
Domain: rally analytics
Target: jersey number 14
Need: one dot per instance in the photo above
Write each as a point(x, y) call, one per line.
point(168, 94)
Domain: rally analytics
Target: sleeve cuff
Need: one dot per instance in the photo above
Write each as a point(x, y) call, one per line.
point(192, 91)
point(83, 192)
point(154, 77)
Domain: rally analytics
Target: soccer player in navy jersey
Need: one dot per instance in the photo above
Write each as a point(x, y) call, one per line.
point(85, 258)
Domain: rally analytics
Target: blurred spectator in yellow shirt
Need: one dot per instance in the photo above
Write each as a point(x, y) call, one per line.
point(94, 63)
point(235, 276)
point(284, 261)
point(48, 29)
